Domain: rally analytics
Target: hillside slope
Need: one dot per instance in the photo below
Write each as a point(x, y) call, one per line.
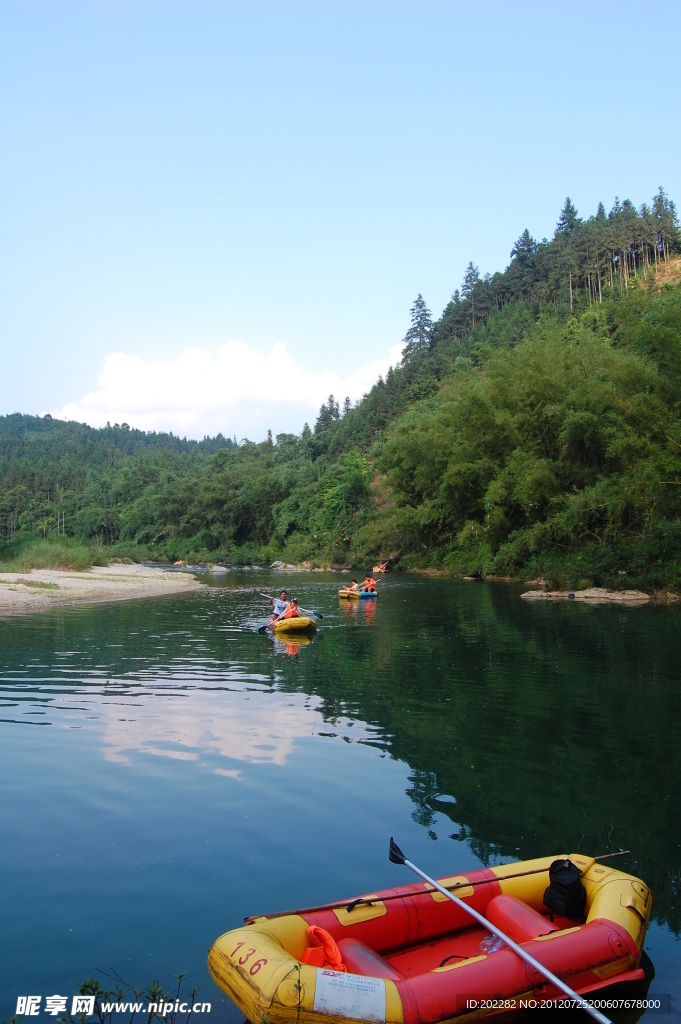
point(532, 430)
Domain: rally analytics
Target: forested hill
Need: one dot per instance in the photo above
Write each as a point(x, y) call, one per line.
point(533, 429)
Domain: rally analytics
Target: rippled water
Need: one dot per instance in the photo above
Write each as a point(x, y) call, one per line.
point(165, 770)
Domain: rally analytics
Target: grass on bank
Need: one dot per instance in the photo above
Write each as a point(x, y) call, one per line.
point(73, 555)
point(67, 553)
point(63, 553)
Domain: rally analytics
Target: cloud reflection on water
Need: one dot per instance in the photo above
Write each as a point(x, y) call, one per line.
point(257, 726)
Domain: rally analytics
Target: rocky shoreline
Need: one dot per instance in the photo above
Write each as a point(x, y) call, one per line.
point(601, 595)
point(307, 567)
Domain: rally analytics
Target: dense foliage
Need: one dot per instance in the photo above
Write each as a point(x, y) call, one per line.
point(566, 448)
point(532, 430)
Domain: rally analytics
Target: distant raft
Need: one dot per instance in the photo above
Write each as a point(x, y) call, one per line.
point(357, 595)
point(409, 956)
point(296, 624)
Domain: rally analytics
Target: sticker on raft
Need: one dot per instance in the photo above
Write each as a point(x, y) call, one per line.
point(350, 995)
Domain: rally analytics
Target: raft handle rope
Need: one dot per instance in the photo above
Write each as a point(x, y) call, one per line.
point(397, 857)
point(453, 956)
point(369, 901)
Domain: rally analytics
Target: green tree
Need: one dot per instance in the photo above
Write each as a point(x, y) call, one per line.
point(418, 337)
point(471, 279)
point(328, 414)
point(568, 219)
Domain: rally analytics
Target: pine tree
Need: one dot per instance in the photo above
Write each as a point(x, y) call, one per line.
point(327, 415)
point(524, 249)
point(470, 279)
point(666, 221)
point(418, 337)
point(568, 219)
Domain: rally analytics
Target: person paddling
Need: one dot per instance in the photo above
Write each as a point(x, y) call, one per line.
point(369, 583)
point(279, 604)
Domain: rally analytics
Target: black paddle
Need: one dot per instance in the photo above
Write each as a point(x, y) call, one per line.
point(306, 611)
point(397, 857)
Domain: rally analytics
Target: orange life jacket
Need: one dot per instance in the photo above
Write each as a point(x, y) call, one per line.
point(369, 584)
point(291, 611)
point(322, 951)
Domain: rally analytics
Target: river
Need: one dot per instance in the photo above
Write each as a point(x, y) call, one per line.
point(165, 770)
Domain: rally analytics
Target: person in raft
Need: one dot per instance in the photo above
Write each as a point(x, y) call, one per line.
point(279, 604)
point(369, 583)
point(290, 612)
point(353, 586)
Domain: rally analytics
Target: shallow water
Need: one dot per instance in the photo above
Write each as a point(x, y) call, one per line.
point(165, 770)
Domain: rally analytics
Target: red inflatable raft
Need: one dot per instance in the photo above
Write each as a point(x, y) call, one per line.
point(411, 956)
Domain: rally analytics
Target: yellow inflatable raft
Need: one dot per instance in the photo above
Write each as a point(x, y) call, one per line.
point(410, 956)
point(350, 595)
point(297, 624)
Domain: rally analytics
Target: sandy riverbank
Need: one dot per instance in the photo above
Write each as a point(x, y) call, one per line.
point(44, 588)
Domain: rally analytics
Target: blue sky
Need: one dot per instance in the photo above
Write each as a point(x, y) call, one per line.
point(177, 177)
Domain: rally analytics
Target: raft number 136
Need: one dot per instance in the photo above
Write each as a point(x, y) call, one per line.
point(256, 965)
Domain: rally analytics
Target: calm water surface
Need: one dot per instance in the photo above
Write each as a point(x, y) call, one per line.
point(165, 770)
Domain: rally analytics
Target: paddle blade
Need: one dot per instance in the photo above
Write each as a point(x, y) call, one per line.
point(395, 854)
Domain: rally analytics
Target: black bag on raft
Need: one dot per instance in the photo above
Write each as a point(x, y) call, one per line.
point(565, 895)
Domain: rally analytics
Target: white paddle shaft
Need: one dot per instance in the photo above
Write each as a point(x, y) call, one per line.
point(522, 953)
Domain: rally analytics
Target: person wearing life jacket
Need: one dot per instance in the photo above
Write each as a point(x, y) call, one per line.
point(369, 583)
point(291, 611)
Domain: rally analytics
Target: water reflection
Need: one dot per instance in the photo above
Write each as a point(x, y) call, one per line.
point(290, 648)
point(251, 725)
point(513, 730)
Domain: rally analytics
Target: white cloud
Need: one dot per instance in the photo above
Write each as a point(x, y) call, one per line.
point(240, 392)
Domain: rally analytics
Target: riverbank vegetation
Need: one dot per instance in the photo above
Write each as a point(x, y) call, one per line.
point(51, 553)
point(533, 430)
